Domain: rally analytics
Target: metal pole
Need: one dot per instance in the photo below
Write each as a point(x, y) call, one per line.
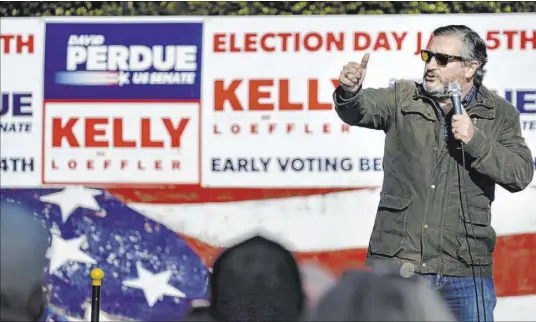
point(96, 280)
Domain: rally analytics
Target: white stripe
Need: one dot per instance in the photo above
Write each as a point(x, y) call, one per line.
point(514, 213)
point(515, 308)
point(338, 220)
point(335, 221)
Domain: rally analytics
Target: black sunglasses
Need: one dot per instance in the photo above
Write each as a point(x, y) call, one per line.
point(442, 59)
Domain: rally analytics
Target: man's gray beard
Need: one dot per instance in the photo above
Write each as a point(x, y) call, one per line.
point(438, 94)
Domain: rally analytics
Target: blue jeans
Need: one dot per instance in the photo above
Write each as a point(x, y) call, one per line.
point(459, 293)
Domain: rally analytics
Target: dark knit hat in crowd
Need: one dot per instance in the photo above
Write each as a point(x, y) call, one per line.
point(256, 280)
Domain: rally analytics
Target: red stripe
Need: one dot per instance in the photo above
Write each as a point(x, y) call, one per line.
point(188, 194)
point(514, 261)
point(514, 258)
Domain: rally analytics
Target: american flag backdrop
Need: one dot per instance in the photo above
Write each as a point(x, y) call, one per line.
point(156, 246)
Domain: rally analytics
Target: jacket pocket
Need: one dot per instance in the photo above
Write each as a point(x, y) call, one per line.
point(476, 241)
point(390, 226)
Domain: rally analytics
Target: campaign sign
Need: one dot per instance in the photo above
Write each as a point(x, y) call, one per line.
point(21, 96)
point(123, 61)
point(122, 103)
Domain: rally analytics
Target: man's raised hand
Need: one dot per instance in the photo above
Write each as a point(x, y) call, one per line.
point(353, 75)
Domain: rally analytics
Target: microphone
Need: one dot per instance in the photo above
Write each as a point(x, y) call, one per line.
point(455, 93)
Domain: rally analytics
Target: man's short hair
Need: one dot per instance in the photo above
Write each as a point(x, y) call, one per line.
point(474, 47)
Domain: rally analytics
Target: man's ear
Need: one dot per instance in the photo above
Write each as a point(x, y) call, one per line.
point(470, 69)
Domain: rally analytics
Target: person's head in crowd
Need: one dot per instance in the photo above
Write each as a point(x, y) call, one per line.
point(24, 242)
point(316, 281)
point(256, 280)
point(368, 296)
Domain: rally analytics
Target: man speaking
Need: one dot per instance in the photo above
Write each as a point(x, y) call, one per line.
point(441, 167)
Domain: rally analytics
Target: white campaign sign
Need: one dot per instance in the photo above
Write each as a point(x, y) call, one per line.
point(21, 88)
point(267, 108)
point(115, 143)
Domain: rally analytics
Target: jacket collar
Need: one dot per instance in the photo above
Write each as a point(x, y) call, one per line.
point(482, 98)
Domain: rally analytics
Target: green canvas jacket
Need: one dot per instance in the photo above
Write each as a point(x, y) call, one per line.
point(422, 222)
